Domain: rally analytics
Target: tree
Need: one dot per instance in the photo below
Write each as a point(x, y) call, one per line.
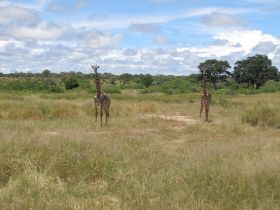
point(147, 80)
point(255, 71)
point(46, 73)
point(125, 78)
point(216, 71)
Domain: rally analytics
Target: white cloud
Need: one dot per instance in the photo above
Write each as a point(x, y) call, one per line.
point(5, 43)
point(235, 42)
point(38, 5)
point(217, 19)
point(42, 31)
point(161, 40)
point(247, 39)
point(265, 47)
point(112, 22)
point(12, 14)
point(144, 28)
point(130, 52)
point(23, 23)
point(69, 8)
point(104, 49)
point(101, 40)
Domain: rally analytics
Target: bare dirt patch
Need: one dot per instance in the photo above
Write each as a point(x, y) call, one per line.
point(179, 118)
point(50, 133)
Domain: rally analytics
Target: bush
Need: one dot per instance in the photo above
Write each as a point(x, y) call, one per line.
point(248, 91)
point(147, 80)
point(175, 86)
point(71, 83)
point(270, 86)
point(55, 89)
point(226, 92)
point(28, 84)
point(92, 90)
point(112, 89)
point(51, 86)
point(84, 84)
point(133, 86)
point(107, 89)
point(152, 89)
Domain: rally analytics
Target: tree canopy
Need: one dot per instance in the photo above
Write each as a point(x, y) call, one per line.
point(46, 73)
point(147, 80)
point(216, 71)
point(255, 71)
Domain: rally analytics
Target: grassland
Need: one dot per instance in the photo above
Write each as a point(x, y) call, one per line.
point(54, 156)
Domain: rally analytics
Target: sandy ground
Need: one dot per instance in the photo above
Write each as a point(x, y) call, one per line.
point(186, 119)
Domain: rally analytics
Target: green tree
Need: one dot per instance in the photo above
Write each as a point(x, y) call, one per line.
point(147, 80)
point(46, 73)
point(255, 71)
point(216, 71)
point(125, 78)
point(71, 83)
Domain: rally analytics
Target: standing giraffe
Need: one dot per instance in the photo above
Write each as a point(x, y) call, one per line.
point(100, 99)
point(206, 96)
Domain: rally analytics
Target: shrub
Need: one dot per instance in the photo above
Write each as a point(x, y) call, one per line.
point(152, 89)
point(147, 80)
point(175, 86)
point(84, 84)
point(107, 89)
point(270, 86)
point(248, 91)
point(71, 83)
point(112, 89)
point(28, 84)
point(262, 116)
point(226, 92)
point(55, 89)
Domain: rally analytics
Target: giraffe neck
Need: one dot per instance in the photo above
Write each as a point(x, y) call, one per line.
point(204, 79)
point(205, 90)
point(204, 85)
point(97, 83)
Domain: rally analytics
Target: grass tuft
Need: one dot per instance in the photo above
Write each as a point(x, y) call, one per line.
point(261, 115)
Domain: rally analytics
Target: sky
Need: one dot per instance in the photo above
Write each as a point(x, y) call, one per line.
point(135, 36)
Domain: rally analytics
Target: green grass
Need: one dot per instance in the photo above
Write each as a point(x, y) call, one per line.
point(54, 156)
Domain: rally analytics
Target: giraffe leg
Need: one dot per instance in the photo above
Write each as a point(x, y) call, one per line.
point(96, 111)
point(201, 108)
point(107, 111)
point(107, 115)
point(109, 107)
point(101, 113)
point(206, 113)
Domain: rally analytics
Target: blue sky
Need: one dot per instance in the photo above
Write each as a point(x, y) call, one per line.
point(139, 36)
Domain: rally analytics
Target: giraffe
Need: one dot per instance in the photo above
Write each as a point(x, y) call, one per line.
point(100, 99)
point(206, 97)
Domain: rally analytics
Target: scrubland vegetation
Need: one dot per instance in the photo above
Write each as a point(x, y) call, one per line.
point(54, 156)
point(253, 75)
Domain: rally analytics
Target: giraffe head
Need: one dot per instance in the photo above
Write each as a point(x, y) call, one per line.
point(205, 91)
point(95, 67)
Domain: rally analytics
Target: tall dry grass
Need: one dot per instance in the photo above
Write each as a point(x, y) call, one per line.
point(54, 156)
